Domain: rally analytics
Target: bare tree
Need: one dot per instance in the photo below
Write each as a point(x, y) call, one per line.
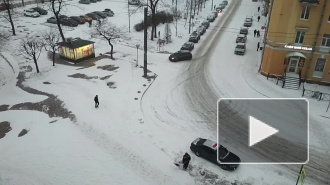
point(176, 15)
point(153, 5)
point(107, 31)
point(51, 38)
point(8, 7)
point(31, 48)
point(56, 7)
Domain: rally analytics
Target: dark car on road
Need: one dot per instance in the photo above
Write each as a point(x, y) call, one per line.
point(247, 23)
point(187, 46)
point(78, 19)
point(225, 2)
point(194, 37)
point(180, 55)
point(52, 20)
point(201, 29)
point(244, 30)
point(93, 16)
point(240, 49)
point(208, 149)
point(241, 38)
point(206, 24)
point(41, 11)
point(100, 14)
point(210, 18)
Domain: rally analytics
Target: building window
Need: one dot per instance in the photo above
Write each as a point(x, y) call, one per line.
point(300, 37)
point(319, 68)
point(306, 10)
point(326, 40)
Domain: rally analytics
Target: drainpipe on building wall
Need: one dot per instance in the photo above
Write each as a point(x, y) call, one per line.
point(266, 34)
point(315, 41)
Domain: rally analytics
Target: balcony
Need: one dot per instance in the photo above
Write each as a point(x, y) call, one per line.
point(310, 2)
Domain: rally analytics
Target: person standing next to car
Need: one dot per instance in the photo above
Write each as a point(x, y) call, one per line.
point(90, 23)
point(258, 45)
point(186, 159)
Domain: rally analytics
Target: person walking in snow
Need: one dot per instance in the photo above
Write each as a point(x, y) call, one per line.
point(258, 33)
point(258, 8)
point(185, 160)
point(90, 23)
point(96, 100)
point(258, 46)
point(214, 7)
point(258, 18)
point(254, 32)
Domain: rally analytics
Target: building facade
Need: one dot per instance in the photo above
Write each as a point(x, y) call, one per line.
point(298, 40)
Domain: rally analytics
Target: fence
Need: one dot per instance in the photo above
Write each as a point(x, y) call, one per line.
point(315, 94)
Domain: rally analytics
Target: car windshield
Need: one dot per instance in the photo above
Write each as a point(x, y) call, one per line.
point(194, 34)
point(222, 152)
point(186, 45)
point(240, 46)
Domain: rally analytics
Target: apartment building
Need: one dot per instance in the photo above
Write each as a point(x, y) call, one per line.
point(298, 40)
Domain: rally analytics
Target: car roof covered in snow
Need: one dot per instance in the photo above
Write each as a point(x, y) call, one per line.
point(240, 35)
point(240, 44)
point(210, 144)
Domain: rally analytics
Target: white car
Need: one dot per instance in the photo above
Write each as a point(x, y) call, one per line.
point(31, 13)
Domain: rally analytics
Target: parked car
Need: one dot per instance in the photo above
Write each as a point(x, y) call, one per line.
point(78, 19)
point(68, 22)
point(194, 37)
point(84, 1)
point(41, 11)
point(31, 13)
point(201, 29)
point(222, 6)
point(109, 14)
point(187, 46)
point(63, 17)
point(240, 49)
point(180, 56)
point(93, 16)
point(244, 30)
point(241, 38)
point(206, 24)
point(208, 149)
point(134, 2)
point(249, 19)
point(225, 2)
point(52, 20)
point(100, 14)
point(215, 14)
point(93, 1)
point(247, 23)
point(210, 18)
point(219, 9)
point(86, 18)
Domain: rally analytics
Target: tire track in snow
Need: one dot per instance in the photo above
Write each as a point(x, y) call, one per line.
point(118, 152)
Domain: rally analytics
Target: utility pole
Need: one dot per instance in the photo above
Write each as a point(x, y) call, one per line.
point(212, 6)
point(299, 174)
point(191, 1)
point(176, 18)
point(129, 17)
point(145, 41)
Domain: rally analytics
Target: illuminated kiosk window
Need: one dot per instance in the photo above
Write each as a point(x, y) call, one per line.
point(76, 50)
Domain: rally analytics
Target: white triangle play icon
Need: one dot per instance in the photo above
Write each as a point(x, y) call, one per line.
point(259, 131)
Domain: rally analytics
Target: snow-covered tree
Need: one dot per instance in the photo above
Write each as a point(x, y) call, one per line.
point(31, 48)
point(51, 38)
point(168, 33)
point(107, 31)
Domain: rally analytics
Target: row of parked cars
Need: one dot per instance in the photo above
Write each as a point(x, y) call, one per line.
point(35, 12)
point(88, 1)
point(242, 37)
point(73, 21)
point(187, 47)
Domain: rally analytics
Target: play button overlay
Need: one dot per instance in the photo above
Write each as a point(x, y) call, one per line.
point(259, 131)
point(264, 131)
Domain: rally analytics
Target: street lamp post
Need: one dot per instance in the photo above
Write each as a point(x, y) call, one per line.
point(137, 54)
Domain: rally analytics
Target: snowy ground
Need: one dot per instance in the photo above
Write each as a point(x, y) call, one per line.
point(125, 141)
